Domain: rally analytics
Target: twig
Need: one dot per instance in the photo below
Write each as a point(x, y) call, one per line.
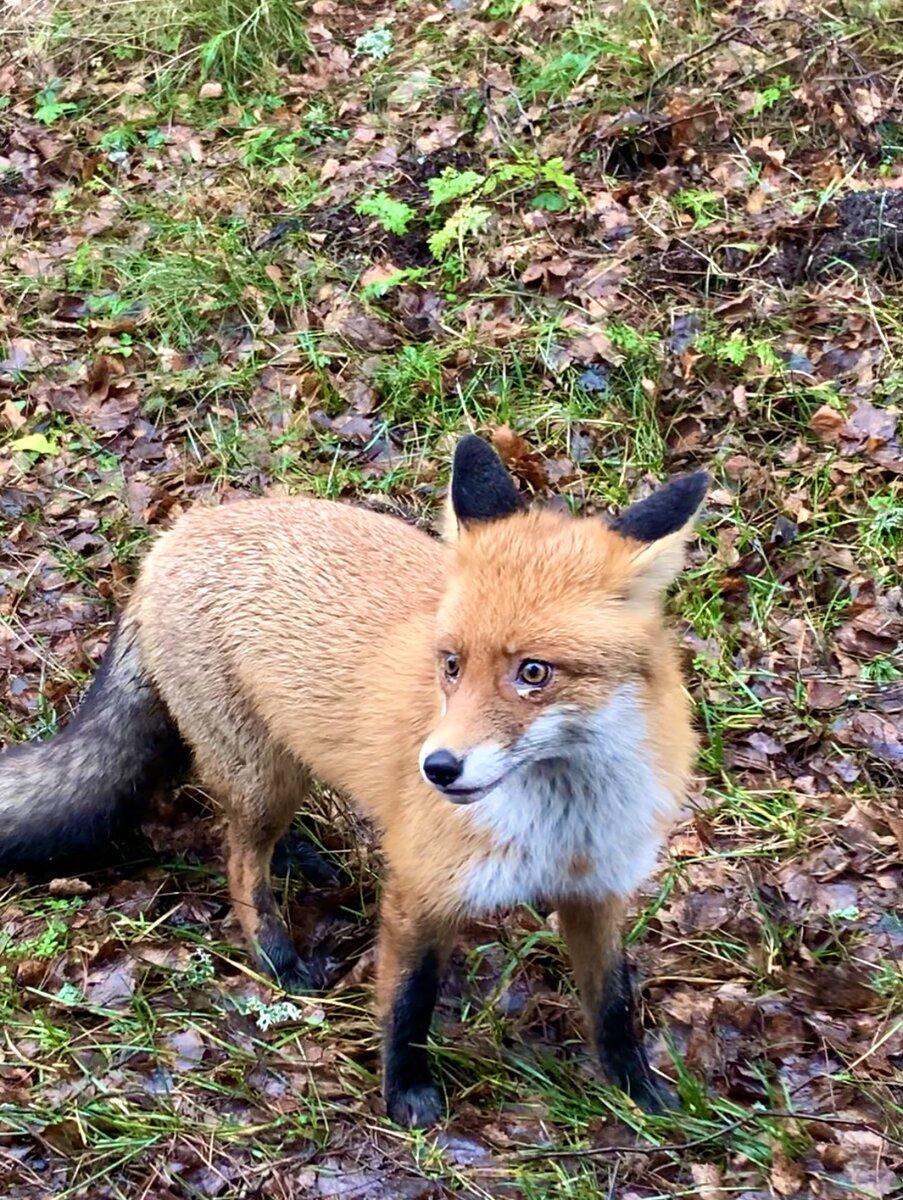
point(725, 35)
point(707, 1140)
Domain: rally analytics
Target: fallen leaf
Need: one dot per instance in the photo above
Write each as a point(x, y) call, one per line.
point(881, 735)
point(869, 104)
point(826, 693)
point(35, 443)
point(827, 422)
point(69, 887)
point(708, 1181)
point(111, 985)
point(361, 329)
point(187, 1046)
point(12, 416)
point(787, 1176)
point(517, 453)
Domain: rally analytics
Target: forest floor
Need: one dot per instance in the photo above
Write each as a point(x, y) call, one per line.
point(303, 248)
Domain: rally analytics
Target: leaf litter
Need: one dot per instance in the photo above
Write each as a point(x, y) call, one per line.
point(194, 308)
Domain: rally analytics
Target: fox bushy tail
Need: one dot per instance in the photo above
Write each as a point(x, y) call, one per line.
point(65, 799)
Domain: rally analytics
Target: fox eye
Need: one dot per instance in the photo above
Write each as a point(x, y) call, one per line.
point(534, 674)
point(451, 666)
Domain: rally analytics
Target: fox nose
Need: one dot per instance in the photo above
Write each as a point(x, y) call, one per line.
point(442, 767)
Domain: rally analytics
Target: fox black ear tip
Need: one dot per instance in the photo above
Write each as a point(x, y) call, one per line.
point(687, 492)
point(471, 448)
point(481, 488)
point(697, 484)
point(667, 510)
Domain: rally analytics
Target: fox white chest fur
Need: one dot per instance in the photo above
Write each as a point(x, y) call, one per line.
point(587, 824)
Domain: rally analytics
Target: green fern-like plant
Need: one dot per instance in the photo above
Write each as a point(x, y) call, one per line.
point(453, 185)
point(394, 215)
point(464, 221)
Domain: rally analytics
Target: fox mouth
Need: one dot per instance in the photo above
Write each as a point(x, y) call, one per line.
point(470, 795)
point(460, 795)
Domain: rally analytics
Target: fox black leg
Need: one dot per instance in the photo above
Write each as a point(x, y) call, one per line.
point(273, 946)
point(412, 1097)
point(411, 955)
point(593, 933)
point(294, 852)
point(619, 1042)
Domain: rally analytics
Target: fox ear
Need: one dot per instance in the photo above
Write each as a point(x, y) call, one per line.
point(662, 524)
point(666, 511)
point(481, 488)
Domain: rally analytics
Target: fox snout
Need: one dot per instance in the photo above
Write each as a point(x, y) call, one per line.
point(464, 775)
point(442, 768)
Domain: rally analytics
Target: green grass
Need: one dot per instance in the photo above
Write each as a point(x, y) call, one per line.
point(172, 47)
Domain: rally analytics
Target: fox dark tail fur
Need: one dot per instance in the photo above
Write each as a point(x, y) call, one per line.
point(65, 800)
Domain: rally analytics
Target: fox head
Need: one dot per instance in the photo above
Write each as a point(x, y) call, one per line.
point(545, 618)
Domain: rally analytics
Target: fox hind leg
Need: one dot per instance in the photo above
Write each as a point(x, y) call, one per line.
point(250, 889)
point(259, 794)
point(296, 854)
point(258, 785)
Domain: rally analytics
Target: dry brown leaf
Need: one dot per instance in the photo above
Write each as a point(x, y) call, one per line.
point(869, 104)
point(517, 453)
point(12, 416)
point(708, 1180)
point(787, 1176)
point(111, 985)
point(827, 422)
point(361, 329)
point(69, 887)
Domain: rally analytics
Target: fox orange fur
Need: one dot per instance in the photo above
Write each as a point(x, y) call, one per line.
point(506, 705)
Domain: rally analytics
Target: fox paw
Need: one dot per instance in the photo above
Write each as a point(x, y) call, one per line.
point(415, 1107)
point(297, 979)
point(652, 1096)
point(293, 851)
point(288, 971)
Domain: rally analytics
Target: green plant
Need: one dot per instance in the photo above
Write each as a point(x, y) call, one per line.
point(267, 1016)
point(561, 72)
point(588, 42)
point(882, 526)
point(381, 287)
point(888, 983)
point(374, 43)
point(705, 207)
point(469, 186)
point(464, 221)
point(48, 109)
point(250, 37)
point(199, 970)
point(271, 146)
point(881, 670)
point(769, 96)
point(453, 184)
point(394, 215)
point(235, 42)
point(49, 941)
point(738, 348)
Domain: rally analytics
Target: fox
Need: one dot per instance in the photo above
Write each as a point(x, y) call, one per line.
point(505, 703)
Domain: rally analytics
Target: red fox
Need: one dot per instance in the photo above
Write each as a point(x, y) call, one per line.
point(505, 704)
